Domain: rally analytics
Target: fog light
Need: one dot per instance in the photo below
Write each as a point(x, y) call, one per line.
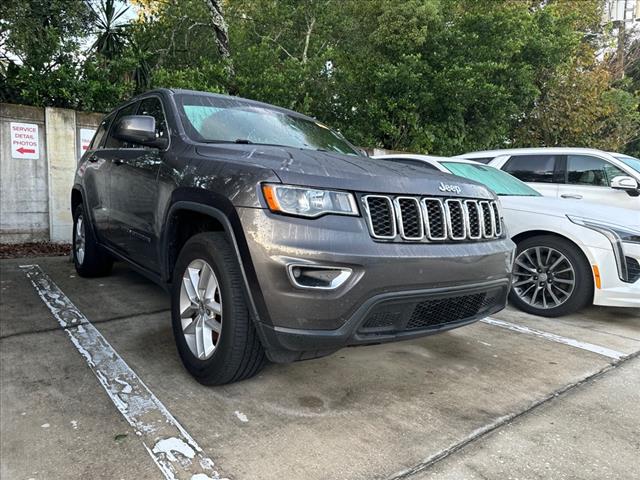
point(317, 276)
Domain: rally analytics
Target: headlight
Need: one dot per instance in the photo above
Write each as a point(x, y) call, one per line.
point(308, 202)
point(617, 235)
point(610, 230)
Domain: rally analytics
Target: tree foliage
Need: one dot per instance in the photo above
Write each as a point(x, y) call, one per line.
point(439, 76)
point(111, 34)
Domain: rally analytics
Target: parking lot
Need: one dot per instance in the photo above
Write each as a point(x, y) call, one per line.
point(515, 397)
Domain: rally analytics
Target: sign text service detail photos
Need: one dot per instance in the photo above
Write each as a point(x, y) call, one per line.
point(25, 142)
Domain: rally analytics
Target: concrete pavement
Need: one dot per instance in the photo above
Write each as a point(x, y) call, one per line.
point(369, 412)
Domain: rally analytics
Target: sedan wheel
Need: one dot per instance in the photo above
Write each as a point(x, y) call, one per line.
point(200, 309)
point(543, 277)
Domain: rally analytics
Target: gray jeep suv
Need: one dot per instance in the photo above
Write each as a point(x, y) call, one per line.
point(276, 237)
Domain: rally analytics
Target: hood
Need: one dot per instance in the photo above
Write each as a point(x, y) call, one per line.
point(345, 172)
point(557, 207)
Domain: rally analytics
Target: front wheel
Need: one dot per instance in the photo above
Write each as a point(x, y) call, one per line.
point(213, 329)
point(551, 277)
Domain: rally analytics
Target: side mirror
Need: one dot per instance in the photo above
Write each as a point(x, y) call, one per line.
point(139, 129)
point(623, 182)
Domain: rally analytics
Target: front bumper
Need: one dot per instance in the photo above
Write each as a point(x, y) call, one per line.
point(390, 282)
point(392, 317)
point(613, 291)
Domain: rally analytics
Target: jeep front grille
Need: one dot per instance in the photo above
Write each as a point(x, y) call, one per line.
point(431, 219)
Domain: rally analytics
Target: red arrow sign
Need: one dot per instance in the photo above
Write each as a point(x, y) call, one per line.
point(26, 150)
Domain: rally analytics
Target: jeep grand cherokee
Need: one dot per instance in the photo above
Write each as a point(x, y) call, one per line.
point(276, 237)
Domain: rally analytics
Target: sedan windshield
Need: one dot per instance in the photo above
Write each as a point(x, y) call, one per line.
point(630, 161)
point(212, 119)
point(500, 182)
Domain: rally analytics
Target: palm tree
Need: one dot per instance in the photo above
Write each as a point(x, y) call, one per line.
point(110, 30)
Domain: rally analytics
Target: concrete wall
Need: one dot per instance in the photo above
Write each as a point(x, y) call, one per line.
point(24, 191)
point(35, 193)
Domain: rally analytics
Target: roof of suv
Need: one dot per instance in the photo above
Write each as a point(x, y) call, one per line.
point(531, 151)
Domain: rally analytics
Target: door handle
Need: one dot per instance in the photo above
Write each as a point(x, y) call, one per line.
point(118, 161)
point(92, 158)
point(570, 195)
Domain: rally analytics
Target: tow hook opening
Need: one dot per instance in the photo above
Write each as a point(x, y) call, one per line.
point(318, 277)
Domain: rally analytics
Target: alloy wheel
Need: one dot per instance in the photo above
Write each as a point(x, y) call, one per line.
point(201, 309)
point(543, 277)
point(80, 240)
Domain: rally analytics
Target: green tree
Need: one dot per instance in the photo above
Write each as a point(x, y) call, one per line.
point(453, 78)
point(110, 29)
point(580, 108)
point(438, 76)
point(40, 42)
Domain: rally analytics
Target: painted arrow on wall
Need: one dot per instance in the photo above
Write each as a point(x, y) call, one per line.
point(26, 150)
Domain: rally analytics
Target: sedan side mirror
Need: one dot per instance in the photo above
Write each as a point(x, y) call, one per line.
point(139, 129)
point(623, 182)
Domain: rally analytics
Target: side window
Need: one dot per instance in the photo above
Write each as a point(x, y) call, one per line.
point(152, 106)
point(114, 142)
point(587, 170)
point(96, 142)
point(533, 168)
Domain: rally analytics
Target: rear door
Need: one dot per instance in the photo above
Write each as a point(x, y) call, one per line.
point(589, 178)
point(134, 190)
point(542, 172)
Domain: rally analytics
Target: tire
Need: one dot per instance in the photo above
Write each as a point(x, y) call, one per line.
point(237, 351)
point(89, 258)
point(548, 272)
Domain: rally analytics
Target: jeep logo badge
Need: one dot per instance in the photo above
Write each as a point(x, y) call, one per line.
point(449, 188)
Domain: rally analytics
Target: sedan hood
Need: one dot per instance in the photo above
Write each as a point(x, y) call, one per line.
point(557, 207)
point(345, 172)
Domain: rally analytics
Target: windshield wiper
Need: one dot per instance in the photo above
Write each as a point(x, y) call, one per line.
point(246, 141)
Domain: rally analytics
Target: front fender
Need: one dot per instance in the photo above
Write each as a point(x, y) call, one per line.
point(223, 211)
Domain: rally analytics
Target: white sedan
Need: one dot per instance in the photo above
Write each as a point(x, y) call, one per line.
point(570, 252)
point(574, 173)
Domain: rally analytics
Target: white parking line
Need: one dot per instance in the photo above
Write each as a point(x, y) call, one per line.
point(607, 352)
point(173, 450)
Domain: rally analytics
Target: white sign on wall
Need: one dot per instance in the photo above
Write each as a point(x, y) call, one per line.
point(86, 134)
point(25, 142)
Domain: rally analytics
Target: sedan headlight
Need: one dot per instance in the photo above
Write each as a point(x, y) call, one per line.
point(308, 202)
point(617, 235)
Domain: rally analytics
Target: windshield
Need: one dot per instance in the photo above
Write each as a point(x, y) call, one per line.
point(629, 161)
point(226, 120)
point(500, 182)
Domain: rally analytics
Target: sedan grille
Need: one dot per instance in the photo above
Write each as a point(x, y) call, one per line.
point(431, 219)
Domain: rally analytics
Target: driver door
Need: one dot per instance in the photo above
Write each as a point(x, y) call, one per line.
point(134, 193)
